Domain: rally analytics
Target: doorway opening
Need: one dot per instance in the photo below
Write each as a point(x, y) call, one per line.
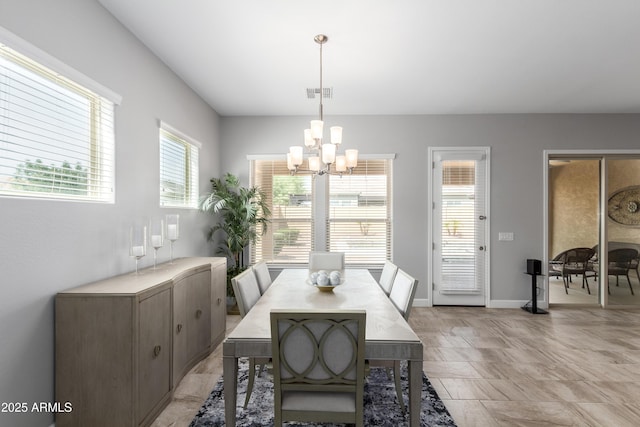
point(592, 233)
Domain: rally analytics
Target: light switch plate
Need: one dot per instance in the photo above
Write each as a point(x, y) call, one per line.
point(505, 236)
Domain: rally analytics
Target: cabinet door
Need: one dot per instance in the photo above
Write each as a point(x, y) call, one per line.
point(179, 330)
point(218, 303)
point(154, 352)
point(198, 313)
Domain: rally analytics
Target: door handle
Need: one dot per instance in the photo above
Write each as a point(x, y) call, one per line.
point(482, 217)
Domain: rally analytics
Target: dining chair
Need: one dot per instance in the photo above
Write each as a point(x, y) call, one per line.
point(247, 292)
point(619, 263)
point(318, 365)
point(402, 294)
point(577, 261)
point(326, 261)
point(263, 276)
point(386, 277)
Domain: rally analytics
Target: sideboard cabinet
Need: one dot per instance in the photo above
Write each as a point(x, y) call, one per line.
point(123, 344)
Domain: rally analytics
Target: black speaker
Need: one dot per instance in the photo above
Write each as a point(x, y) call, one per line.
point(534, 266)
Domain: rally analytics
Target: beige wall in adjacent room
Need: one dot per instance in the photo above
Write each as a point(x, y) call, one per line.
point(622, 174)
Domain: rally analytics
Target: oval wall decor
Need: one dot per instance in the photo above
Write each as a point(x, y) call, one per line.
point(624, 206)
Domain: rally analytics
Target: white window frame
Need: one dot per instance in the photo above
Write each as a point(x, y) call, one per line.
point(98, 162)
point(189, 169)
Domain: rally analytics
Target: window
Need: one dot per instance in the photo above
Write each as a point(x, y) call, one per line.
point(289, 235)
point(359, 213)
point(356, 213)
point(178, 169)
point(56, 136)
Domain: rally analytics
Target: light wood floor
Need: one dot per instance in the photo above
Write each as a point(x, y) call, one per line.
point(576, 294)
point(504, 367)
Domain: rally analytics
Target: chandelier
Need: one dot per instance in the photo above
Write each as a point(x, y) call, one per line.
point(322, 154)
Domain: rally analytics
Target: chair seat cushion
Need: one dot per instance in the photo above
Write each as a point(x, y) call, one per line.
point(318, 401)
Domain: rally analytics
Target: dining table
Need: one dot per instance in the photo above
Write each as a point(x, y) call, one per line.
point(388, 335)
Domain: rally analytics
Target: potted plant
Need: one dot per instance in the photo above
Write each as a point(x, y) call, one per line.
point(242, 215)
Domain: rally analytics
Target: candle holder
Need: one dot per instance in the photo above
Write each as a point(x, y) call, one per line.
point(173, 231)
point(156, 235)
point(137, 243)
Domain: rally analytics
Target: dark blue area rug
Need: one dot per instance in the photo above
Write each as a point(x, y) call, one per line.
point(380, 405)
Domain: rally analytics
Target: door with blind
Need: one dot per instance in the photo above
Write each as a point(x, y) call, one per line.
point(459, 226)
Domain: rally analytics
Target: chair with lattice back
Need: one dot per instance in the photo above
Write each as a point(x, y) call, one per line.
point(318, 365)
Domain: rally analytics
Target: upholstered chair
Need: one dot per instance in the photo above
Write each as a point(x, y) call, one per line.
point(247, 292)
point(318, 365)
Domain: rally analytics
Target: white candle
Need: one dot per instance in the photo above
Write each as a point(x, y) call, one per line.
point(137, 251)
point(172, 232)
point(156, 240)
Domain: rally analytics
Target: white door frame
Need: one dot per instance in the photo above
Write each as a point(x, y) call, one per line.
point(430, 202)
point(596, 154)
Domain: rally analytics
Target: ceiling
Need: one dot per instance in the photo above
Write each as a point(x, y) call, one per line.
point(258, 57)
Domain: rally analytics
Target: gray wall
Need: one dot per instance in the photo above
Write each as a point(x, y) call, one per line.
point(517, 142)
point(48, 246)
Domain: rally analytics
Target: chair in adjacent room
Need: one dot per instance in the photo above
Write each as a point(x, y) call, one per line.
point(555, 266)
point(577, 261)
point(620, 263)
point(318, 365)
point(386, 277)
point(263, 276)
point(402, 294)
point(326, 261)
point(247, 292)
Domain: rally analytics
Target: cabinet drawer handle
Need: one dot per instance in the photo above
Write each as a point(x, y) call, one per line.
point(179, 328)
point(198, 313)
point(156, 351)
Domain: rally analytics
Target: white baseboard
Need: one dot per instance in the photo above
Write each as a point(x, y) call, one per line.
point(508, 303)
point(421, 302)
point(424, 302)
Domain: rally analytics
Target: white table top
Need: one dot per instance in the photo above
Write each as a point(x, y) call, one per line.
point(290, 290)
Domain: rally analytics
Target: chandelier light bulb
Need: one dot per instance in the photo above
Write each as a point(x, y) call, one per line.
point(308, 139)
point(290, 165)
point(314, 163)
point(341, 164)
point(296, 155)
point(328, 153)
point(316, 129)
point(336, 135)
point(351, 157)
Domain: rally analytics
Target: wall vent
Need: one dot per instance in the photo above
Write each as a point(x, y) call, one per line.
point(327, 92)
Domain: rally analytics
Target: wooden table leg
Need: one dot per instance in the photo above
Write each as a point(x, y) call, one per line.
point(230, 374)
point(415, 392)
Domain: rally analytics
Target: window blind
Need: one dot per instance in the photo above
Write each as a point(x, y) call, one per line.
point(359, 218)
point(56, 136)
point(460, 208)
point(178, 171)
point(290, 232)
